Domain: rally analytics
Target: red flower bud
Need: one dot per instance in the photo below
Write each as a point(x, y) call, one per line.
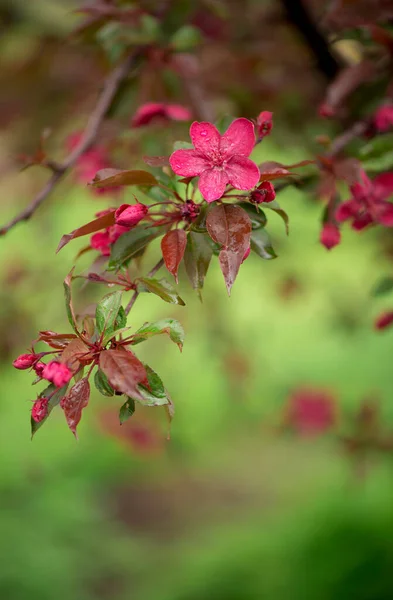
point(25, 361)
point(264, 124)
point(383, 118)
point(330, 236)
point(265, 192)
point(129, 215)
point(58, 373)
point(40, 409)
point(100, 241)
point(384, 320)
point(326, 111)
point(39, 368)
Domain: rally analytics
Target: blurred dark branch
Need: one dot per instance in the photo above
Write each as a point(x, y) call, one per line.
point(299, 16)
point(341, 141)
point(105, 100)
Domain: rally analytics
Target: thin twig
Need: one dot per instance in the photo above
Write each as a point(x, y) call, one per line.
point(135, 295)
point(341, 141)
point(90, 133)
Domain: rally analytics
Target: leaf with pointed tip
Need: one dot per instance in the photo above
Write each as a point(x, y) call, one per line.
point(274, 205)
point(161, 288)
point(107, 311)
point(130, 243)
point(173, 245)
point(127, 410)
point(261, 244)
point(123, 370)
point(55, 395)
point(96, 225)
point(114, 334)
point(68, 301)
point(102, 384)
point(230, 226)
point(272, 170)
point(153, 392)
point(169, 326)
point(115, 177)
point(197, 257)
point(383, 287)
point(74, 402)
point(121, 319)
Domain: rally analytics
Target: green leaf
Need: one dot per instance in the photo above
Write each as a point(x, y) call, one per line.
point(186, 38)
point(169, 326)
point(68, 301)
point(113, 334)
point(274, 205)
point(257, 216)
point(107, 311)
point(377, 147)
point(57, 395)
point(102, 384)
point(261, 244)
point(383, 287)
point(155, 394)
point(121, 319)
point(197, 257)
point(127, 410)
point(129, 244)
point(161, 288)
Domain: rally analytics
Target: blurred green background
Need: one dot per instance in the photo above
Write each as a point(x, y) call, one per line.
point(232, 507)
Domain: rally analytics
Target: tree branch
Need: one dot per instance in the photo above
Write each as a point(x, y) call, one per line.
point(135, 295)
point(105, 100)
point(299, 16)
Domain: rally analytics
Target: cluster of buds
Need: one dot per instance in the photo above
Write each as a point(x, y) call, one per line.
point(127, 216)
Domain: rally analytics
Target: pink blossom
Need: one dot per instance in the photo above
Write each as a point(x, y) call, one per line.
point(264, 124)
point(40, 409)
point(129, 215)
point(383, 118)
point(25, 361)
point(368, 204)
point(265, 192)
point(311, 411)
point(218, 159)
point(39, 368)
point(101, 241)
point(152, 111)
point(330, 236)
point(58, 373)
point(384, 320)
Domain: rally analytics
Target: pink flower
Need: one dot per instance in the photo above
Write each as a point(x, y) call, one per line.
point(100, 241)
point(58, 373)
point(383, 118)
point(265, 192)
point(152, 111)
point(129, 215)
point(368, 203)
point(330, 236)
point(40, 409)
point(384, 320)
point(310, 411)
point(264, 124)
point(218, 159)
point(25, 361)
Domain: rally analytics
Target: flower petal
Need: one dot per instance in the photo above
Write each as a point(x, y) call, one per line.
point(188, 163)
point(212, 183)
point(239, 138)
point(242, 173)
point(205, 137)
point(383, 185)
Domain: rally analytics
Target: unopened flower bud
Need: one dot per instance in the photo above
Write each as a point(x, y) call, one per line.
point(129, 215)
point(384, 320)
point(40, 409)
point(330, 236)
point(265, 192)
point(25, 361)
point(264, 124)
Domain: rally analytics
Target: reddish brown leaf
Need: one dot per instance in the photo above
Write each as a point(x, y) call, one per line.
point(272, 170)
point(74, 402)
point(96, 225)
point(56, 340)
point(229, 226)
point(173, 245)
point(124, 371)
point(156, 161)
point(73, 354)
point(302, 163)
point(115, 177)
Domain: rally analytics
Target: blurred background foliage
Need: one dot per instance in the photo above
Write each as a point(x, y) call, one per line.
point(233, 507)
